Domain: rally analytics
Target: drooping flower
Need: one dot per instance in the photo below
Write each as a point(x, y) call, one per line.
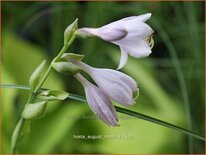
point(98, 101)
point(131, 34)
point(119, 86)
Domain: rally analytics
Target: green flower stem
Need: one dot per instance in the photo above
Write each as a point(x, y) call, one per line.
point(126, 112)
point(16, 135)
point(17, 131)
point(63, 50)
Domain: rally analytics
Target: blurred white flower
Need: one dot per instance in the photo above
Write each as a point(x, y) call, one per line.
point(98, 101)
point(119, 86)
point(131, 34)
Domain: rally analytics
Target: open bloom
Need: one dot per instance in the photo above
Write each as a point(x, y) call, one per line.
point(119, 86)
point(98, 101)
point(131, 34)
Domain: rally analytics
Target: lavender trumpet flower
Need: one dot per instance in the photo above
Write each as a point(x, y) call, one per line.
point(111, 84)
point(119, 86)
point(98, 101)
point(131, 34)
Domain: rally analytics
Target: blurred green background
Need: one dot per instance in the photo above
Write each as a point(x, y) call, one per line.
point(171, 79)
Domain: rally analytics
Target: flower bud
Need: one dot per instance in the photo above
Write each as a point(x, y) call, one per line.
point(69, 31)
point(72, 56)
point(66, 67)
point(34, 110)
point(35, 77)
point(52, 95)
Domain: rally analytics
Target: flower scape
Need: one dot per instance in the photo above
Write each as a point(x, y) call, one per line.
point(131, 34)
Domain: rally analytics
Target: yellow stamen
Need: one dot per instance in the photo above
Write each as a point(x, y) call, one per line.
point(150, 41)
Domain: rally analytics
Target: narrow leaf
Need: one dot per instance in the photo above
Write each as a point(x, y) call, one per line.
point(127, 112)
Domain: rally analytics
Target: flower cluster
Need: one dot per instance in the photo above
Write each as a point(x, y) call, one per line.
point(134, 37)
point(111, 84)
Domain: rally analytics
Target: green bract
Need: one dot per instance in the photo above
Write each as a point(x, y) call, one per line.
point(34, 110)
point(72, 56)
point(66, 67)
point(69, 32)
point(52, 95)
point(35, 77)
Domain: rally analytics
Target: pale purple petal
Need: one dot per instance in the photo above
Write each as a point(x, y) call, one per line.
point(142, 18)
point(137, 29)
point(136, 48)
point(99, 102)
point(109, 34)
point(112, 85)
point(126, 79)
point(101, 105)
point(116, 91)
point(123, 58)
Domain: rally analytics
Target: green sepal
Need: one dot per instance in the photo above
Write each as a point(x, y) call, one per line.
point(72, 56)
point(35, 77)
point(34, 110)
point(52, 95)
point(66, 67)
point(69, 31)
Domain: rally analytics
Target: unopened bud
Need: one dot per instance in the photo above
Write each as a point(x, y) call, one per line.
point(35, 77)
point(66, 67)
point(52, 95)
point(69, 31)
point(34, 110)
point(72, 56)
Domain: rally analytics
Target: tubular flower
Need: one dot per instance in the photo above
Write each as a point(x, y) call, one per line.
point(98, 101)
point(119, 86)
point(131, 34)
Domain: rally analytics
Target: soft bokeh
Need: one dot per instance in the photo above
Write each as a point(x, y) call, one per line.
point(171, 79)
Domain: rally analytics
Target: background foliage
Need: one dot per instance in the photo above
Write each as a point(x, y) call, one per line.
point(171, 79)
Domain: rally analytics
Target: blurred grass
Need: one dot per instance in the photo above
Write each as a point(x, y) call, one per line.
point(33, 31)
